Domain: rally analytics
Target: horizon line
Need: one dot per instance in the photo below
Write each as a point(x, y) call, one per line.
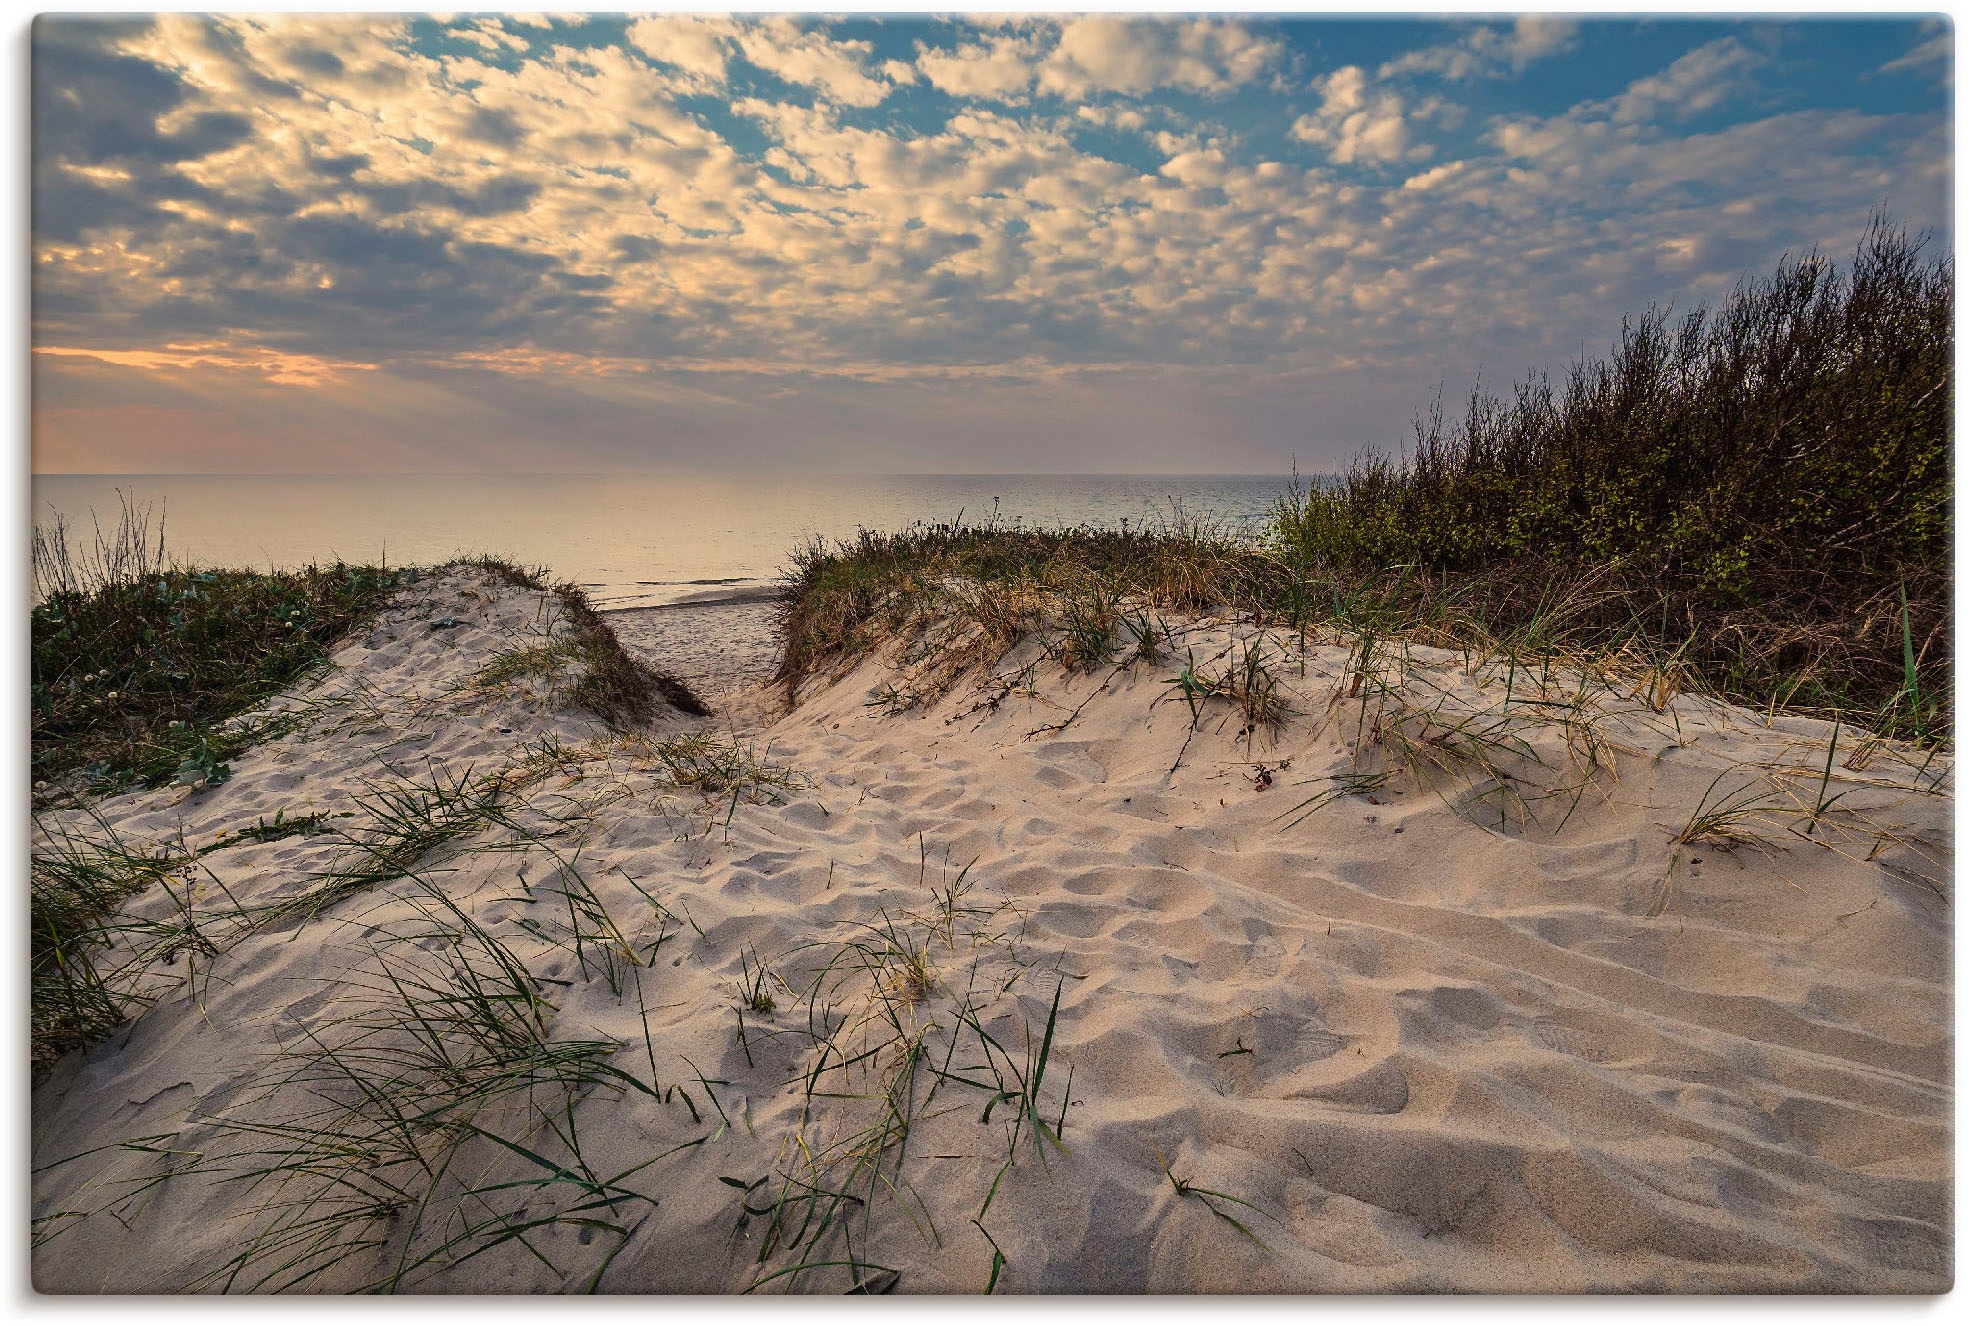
point(662, 474)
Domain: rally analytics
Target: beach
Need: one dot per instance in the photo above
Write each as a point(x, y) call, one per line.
point(1407, 971)
point(970, 655)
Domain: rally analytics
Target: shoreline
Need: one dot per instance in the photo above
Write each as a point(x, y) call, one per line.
point(672, 638)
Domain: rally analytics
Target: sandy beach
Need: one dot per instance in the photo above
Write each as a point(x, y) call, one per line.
point(967, 654)
point(1052, 982)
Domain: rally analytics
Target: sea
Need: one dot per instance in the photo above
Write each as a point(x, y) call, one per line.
point(632, 540)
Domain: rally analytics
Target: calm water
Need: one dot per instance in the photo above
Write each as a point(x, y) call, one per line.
point(633, 540)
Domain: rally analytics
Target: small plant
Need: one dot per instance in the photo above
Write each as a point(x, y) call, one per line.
point(1721, 819)
point(757, 987)
point(720, 767)
point(264, 830)
point(1148, 636)
point(1822, 802)
point(1475, 751)
point(1088, 627)
point(202, 769)
point(889, 700)
point(1352, 784)
point(1246, 682)
point(1196, 688)
point(911, 975)
point(544, 661)
point(1255, 689)
point(1210, 1198)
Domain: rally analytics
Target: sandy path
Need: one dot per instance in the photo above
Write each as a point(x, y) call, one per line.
point(723, 651)
point(1416, 1040)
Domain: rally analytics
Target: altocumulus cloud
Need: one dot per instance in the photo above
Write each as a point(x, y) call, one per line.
point(1090, 243)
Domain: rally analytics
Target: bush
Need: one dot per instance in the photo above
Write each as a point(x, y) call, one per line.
point(1769, 484)
point(1806, 426)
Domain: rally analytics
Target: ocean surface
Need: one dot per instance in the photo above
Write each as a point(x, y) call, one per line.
point(633, 541)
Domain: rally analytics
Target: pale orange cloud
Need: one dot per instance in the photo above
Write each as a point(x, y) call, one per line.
point(286, 369)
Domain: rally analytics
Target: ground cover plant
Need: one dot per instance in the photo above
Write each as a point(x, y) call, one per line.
point(1753, 501)
point(138, 662)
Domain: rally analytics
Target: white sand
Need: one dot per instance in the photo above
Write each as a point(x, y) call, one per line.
point(1430, 1049)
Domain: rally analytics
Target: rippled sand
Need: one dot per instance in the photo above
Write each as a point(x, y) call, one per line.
point(1420, 1036)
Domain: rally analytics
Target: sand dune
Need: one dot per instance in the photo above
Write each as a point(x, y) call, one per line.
point(1303, 1028)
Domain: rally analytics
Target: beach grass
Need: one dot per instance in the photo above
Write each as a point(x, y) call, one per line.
point(77, 883)
point(900, 1009)
point(1754, 502)
point(613, 685)
point(149, 672)
point(139, 662)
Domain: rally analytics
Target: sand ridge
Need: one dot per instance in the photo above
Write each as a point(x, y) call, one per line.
point(1412, 1035)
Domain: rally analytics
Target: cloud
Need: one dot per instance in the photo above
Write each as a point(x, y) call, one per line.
point(290, 370)
point(700, 47)
point(342, 205)
point(1204, 56)
point(1127, 119)
point(1356, 122)
point(835, 69)
point(1932, 59)
point(1698, 82)
point(1489, 52)
point(1000, 69)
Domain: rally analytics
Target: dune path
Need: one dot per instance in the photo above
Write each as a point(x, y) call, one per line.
point(1053, 983)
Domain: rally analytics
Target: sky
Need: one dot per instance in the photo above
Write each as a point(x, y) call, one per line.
point(1204, 244)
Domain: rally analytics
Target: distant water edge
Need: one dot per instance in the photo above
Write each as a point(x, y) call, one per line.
point(631, 540)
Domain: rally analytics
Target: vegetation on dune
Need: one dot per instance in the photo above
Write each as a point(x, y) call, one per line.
point(1755, 501)
point(997, 584)
point(614, 686)
point(1765, 488)
point(1804, 424)
point(137, 662)
point(142, 670)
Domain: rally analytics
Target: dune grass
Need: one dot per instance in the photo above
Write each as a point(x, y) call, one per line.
point(720, 767)
point(1754, 502)
point(352, 1147)
point(612, 685)
point(147, 672)
point(79, 944)
point(896, 1011)
point(142, 666)
point(138, 662)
